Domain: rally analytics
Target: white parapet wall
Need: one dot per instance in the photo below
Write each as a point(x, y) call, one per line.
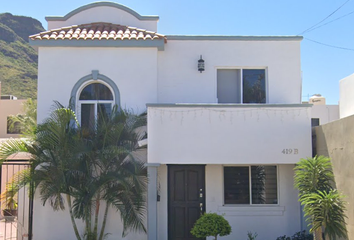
point(229, 134)
point(346, 96)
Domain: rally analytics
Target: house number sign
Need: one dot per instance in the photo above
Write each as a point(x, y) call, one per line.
point(290, 151)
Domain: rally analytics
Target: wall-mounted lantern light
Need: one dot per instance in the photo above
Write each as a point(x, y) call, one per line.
point(201, 66)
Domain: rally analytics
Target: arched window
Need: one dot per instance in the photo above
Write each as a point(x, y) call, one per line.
point(95, 101)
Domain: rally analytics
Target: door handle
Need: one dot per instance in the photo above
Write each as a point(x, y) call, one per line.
point(201, 200)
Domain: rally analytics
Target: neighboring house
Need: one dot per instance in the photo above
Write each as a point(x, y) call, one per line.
point(321, 112)
point(223, 137)
point(9, 105)
point(336, 140)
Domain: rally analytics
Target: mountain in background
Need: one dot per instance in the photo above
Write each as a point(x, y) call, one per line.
point(18, 60)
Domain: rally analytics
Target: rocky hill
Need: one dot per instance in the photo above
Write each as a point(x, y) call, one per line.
point(18, 60)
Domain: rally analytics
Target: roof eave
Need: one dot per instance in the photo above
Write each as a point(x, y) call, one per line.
point(158, 43)
point(233, 38)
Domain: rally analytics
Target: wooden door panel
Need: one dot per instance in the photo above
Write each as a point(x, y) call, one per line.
point(179, 189)
point(193, 213)
point(184, 199)
point(193, 190)
point(179, 226)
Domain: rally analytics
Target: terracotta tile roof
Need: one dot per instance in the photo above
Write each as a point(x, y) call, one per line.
point(97, 31)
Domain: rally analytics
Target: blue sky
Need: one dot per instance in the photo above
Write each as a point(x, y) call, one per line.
point(322, 66)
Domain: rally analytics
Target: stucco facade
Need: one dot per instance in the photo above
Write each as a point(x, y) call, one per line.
point(186, 124)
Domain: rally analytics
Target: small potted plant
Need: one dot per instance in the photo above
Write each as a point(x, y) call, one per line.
point(211, 224)
point(9, 201)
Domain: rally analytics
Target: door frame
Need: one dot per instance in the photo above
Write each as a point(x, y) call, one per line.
point(169, 237)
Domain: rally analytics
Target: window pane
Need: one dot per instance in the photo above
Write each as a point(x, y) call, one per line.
point(229, 85)
point(13, 126)
point(87, 116)
point(104, 110)
point(96, 91)
point(254, 86)
point(236, 185)
point(315, 122)
point(264, 184)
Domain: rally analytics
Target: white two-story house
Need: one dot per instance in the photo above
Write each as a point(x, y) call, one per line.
point(223, 136)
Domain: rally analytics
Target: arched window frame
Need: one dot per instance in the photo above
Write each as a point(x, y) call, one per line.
point(94, 77)
point(79, 102)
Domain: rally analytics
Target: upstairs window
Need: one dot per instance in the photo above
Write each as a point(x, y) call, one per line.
point(95, 101)
point(241, 86)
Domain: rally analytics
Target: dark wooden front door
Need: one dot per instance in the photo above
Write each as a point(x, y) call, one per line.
point(186, 199)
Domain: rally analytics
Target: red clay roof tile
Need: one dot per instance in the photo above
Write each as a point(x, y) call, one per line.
point(100, 31)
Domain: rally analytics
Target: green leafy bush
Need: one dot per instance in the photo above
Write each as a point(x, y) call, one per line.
point(303, 235)
point(252, 236)
point(211, 224)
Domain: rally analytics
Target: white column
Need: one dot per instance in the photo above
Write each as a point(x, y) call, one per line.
point(152, 201)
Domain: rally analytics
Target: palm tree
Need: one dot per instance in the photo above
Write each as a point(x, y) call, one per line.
point(87, 170)
point(326, 210)
point(113, 174)
point(53, 145)
point(323, 205)
point(313, 174)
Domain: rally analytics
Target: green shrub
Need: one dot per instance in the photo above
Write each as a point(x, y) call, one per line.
point(211, 224)
point(297, 236)
point(251, 236)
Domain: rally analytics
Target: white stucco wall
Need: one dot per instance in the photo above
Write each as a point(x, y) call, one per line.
point(228, 135)
point(269, 221)
point(146, 75)
point(133, 70)
point(105, 14)
point(56, 225)
point(180, 82)
point(326, 113)
point(346, 96)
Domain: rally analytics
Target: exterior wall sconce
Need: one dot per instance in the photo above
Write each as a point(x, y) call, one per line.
point(201, 66)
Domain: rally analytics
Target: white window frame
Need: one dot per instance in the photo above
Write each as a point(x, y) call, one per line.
point(241, 75)
point(95, 102)
point(250, 186)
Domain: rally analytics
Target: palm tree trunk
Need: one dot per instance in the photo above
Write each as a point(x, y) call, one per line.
point(72, 217)
point(95, 232)
point(318, 234)
point(104, 222)
point(88, 223)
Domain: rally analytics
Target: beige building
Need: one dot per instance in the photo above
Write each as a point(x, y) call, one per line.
point(336, 140)
point(9, 105)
